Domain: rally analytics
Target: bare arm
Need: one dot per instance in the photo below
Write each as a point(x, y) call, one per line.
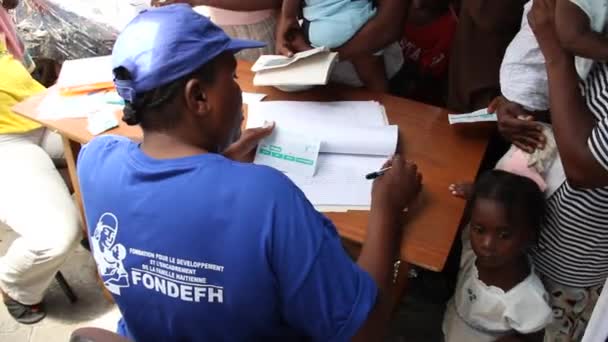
point(377, 257)
point(233, 5)
point(572, 120)
point(576, 34)
point(391, 194)
point(385, 28)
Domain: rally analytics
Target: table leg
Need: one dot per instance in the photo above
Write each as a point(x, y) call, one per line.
point(71, 149)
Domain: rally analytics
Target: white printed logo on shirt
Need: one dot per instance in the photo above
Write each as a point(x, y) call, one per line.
point(182, 279)
point(109, 255)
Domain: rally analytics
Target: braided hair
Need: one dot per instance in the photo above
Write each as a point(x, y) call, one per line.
point(523, 200)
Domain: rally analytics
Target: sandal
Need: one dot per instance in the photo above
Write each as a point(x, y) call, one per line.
point(24, 314)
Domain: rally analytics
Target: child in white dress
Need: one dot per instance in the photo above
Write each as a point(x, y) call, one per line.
point(498, 294)
point(523, 77)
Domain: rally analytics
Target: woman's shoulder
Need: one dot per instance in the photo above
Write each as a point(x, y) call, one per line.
point(106, 142)
point(101, 145)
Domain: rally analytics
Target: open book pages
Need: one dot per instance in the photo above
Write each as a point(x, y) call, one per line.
point(355, 140)
point(307, 68)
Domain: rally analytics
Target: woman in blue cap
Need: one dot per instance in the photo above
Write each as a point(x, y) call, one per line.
point(213, 248)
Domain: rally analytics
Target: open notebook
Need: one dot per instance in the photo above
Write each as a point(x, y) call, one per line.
point(355, 140)
point(306, 68)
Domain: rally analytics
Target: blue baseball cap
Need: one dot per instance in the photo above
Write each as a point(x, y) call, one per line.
point(164, 44)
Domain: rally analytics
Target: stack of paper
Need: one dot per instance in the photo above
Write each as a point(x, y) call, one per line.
point(308, 68)
point(355, 140)
point(84, 75)
point(56, 107)
point(84, 89)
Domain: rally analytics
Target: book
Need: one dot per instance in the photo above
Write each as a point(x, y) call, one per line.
point(80, 76)
point(355, 139)
point(308, 68)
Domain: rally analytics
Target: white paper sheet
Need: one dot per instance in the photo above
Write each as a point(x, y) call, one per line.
point(288, 152)
point(85, 71)
point(270, 62)
point(355, 129)
point(354, 113)
point(340, 180)
point(56, 107)
point(481, 115)
point(249, 98)
point(342, 127)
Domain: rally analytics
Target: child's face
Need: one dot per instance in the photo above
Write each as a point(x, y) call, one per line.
point(495, 240)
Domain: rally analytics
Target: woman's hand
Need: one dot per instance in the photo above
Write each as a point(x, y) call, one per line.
point(398, 187)
point(243, 149)
point(517, 125)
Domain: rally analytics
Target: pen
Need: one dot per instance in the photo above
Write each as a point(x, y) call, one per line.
point(377, 174)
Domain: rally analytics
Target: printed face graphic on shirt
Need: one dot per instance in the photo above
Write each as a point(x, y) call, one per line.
point(108, 255)
point(181, 279)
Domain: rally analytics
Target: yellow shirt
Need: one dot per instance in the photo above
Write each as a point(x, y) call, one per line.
point(16, 85)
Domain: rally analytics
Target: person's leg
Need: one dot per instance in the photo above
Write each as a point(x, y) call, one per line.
point(36, 204)
point(52, 144)
point(371, 71)
point(572, 309)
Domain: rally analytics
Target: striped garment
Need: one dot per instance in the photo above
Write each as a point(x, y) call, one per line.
point(573, 246)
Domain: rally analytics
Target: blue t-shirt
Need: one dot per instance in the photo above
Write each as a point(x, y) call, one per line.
point(207, 249)
point(335, 22)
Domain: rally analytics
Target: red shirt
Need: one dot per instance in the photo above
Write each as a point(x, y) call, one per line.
point(429, 45)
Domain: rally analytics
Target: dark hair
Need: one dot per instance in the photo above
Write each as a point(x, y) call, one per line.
point(151, 109)
point(523, 200)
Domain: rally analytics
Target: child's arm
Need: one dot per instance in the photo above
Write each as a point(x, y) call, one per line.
point(575, 33)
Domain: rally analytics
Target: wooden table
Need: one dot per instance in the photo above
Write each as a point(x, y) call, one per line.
point(444, 155)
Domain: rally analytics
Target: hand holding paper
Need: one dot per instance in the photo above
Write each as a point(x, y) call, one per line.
point(242, 149)
point(289, 152)
point(481, 115)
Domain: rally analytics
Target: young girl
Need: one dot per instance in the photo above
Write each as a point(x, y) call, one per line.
point(332, 23)
point(498, 295)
